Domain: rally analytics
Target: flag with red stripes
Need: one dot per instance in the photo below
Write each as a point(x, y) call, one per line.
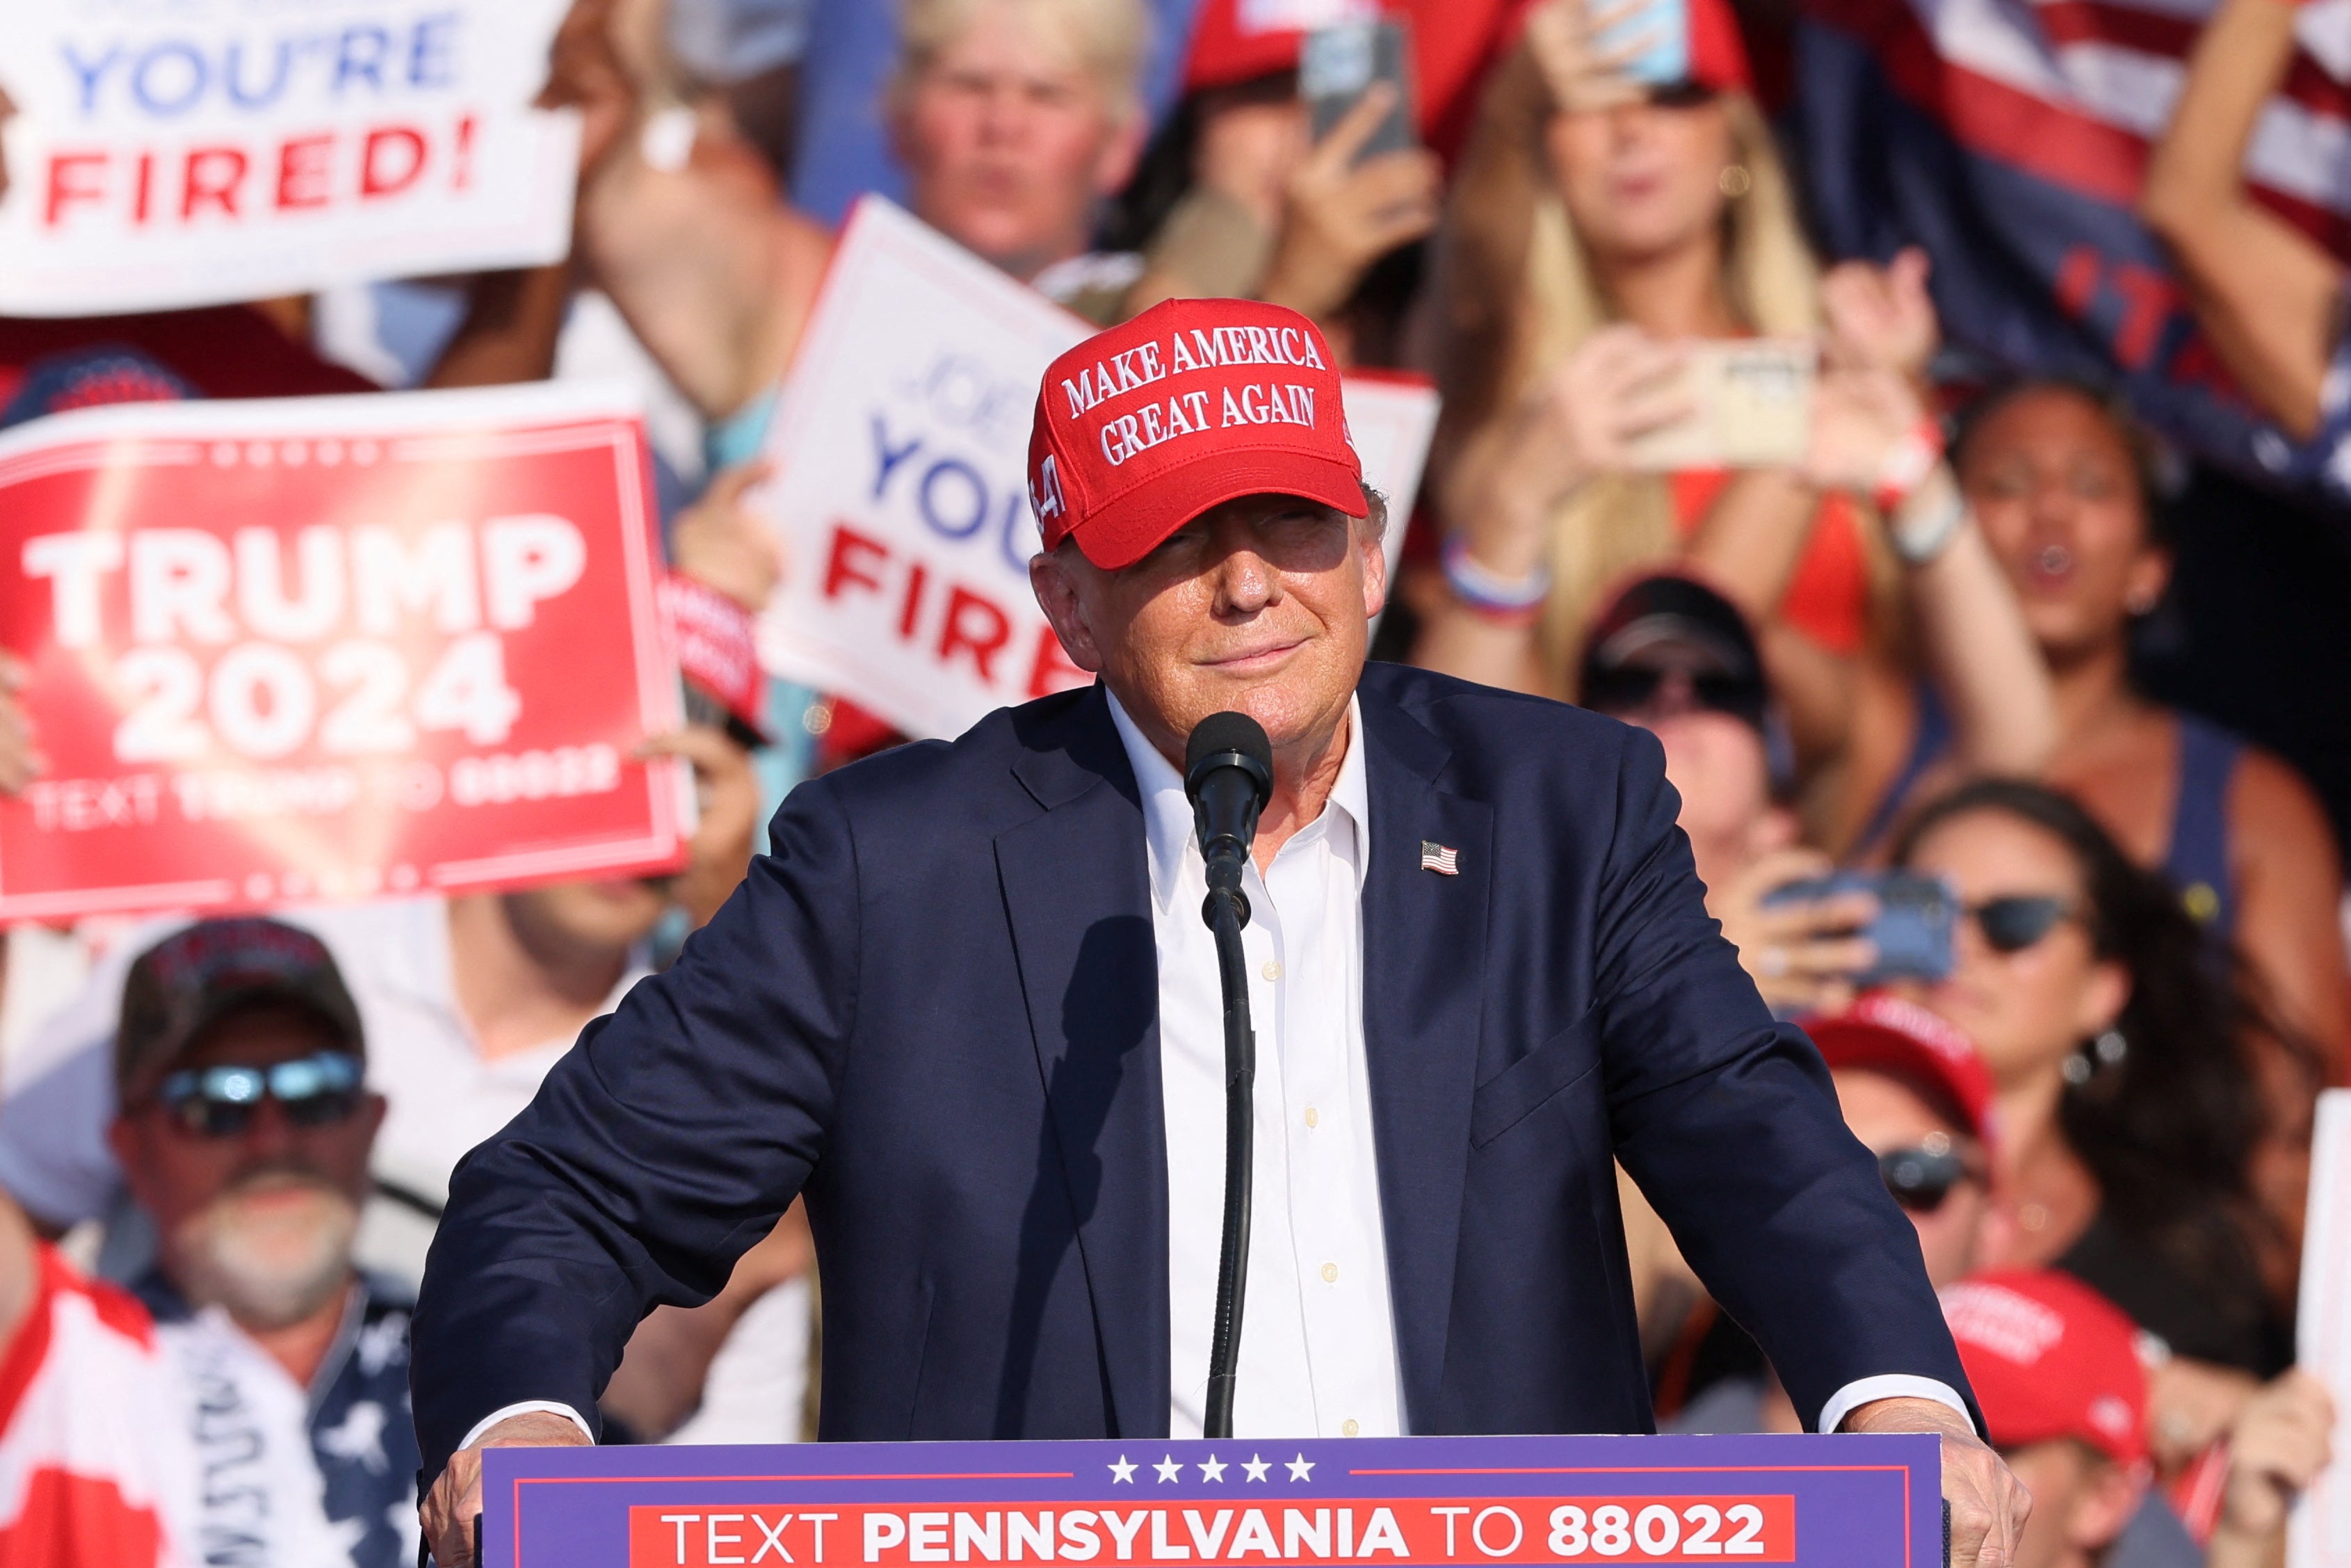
point(2012, 139)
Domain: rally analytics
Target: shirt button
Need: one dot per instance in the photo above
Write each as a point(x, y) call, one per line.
point(1348, 1428)
point(1314, 1117)
point(1272, 970)
point(1330, 1277)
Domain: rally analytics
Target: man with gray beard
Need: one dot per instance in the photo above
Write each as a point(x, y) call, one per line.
point(244, 1132)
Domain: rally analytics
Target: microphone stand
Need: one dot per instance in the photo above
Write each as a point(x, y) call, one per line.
point(1227, 911)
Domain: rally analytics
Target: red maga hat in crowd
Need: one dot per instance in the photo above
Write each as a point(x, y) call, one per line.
point(1883, 1033)
point(1717, 56)
point(1193, 403)
point(2048, 1358)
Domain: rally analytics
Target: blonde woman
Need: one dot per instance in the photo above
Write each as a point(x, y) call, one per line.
point(1597, 225)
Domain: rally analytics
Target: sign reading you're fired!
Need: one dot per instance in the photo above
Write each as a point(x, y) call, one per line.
point(1825, 1502)
point(175, 153)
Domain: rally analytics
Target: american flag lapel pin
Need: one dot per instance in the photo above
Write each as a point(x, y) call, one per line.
point(1440, 859)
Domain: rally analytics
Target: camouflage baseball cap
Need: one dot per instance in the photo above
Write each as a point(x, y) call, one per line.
point(193, 978)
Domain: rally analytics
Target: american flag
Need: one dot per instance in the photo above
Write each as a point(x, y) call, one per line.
point(2010, 138)
point(1436, 857)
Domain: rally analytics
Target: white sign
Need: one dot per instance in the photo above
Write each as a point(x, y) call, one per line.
point(2321, 1532)
point(178, 153)
point(901, 440)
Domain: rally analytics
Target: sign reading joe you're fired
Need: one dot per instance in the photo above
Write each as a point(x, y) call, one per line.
point(334, 647)
point(1841, 1502)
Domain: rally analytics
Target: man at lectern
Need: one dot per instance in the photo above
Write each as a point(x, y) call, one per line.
point(967, 1005)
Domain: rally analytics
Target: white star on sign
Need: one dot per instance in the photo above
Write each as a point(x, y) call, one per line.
point(1169, 1470)
point(1121, 1472)
point(1214, 1470)
point(1301, 1469)
point(1256, 1468)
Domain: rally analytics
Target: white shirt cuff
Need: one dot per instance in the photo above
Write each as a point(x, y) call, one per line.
point(568, 1413)
point(1852, 1396)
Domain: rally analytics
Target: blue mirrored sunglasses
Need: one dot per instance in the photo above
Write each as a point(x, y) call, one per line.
point(315, 1090)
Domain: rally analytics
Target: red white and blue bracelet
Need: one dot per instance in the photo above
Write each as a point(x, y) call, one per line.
point(1509, 601)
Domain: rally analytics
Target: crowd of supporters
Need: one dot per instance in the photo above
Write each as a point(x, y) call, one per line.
point(1930, 646)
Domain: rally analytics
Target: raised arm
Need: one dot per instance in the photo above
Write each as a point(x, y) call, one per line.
point(1870, 434)
point(669, 1141)
point(680, 222)
point(1572, 428)
point(712, 272)
point(2267, 295)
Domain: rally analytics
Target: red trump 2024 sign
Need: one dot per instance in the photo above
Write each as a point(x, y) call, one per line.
point(328, 647)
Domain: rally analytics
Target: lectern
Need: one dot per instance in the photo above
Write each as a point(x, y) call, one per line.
point(1839, 1501)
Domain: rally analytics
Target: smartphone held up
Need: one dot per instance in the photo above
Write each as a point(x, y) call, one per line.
point(1338, 63)
point(1750, 406)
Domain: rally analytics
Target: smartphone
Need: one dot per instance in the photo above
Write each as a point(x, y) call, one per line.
point(1912, 932)
point(1337, 64)
point(1752, 407)
point(1662, 29)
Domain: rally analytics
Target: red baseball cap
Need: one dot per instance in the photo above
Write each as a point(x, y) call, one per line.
point(1718, 54)
point(1193, 403)
point(1883, 1033)
point(2049, 1357)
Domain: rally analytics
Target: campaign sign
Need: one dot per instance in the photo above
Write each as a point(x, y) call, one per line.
point(1823, 1503)
point(201, 152)
point(328, 647)
point(901, 442)
point(2320, 1536)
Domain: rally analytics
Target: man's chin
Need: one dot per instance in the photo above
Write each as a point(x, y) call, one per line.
point(270, 1257)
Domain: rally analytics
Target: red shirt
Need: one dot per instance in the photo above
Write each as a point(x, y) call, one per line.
point(223, 350)
point(1828, 597)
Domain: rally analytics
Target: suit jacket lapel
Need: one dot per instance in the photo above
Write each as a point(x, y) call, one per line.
point(1423, 979)
point(1076, 892)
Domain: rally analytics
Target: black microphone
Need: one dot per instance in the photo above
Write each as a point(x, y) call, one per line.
point(1229, 775)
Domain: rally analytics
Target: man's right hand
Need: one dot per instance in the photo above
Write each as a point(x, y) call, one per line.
point(450, 1509)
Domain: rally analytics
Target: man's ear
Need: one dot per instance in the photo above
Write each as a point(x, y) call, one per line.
point(1122, 150)
point(1052, 580)
point(1376, 569)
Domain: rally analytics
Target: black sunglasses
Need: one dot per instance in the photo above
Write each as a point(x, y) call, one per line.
point(1921, 1178)
point(2013, 923)
point(315, 1090)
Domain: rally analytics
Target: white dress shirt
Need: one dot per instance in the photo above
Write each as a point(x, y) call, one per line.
point(1318, 1344)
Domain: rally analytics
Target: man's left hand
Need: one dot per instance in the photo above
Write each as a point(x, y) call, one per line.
point(1988, 1505)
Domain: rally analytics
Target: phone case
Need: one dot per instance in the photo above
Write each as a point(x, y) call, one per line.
point(1752, 408)
point(1337, 63)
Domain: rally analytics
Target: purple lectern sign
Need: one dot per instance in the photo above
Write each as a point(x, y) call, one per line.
point(1820, 1502)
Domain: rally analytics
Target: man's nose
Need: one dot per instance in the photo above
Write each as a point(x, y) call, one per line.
point(271, 1130)
point(1246, 582)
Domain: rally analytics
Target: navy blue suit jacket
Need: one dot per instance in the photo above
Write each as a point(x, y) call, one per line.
point(932, 1009)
